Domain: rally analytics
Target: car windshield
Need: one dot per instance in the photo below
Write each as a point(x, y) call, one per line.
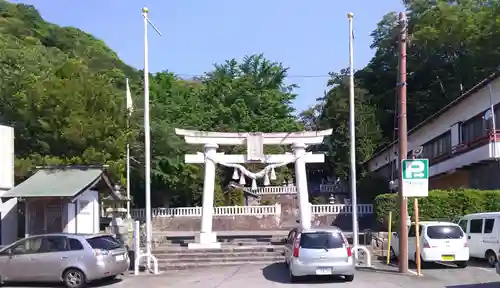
point(105, 242)
point(444, 232)
point(321, 240)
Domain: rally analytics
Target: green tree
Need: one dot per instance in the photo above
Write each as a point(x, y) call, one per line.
point(453, 45)
point(335, 114)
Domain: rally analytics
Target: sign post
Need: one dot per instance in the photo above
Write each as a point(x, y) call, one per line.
point(416, 184)
point(417, 236)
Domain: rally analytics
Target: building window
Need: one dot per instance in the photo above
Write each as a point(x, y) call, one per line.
point(438, 146)
point(474, 129)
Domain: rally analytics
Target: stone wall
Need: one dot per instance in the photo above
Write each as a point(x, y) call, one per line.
point(286, 220)
point(220, 223)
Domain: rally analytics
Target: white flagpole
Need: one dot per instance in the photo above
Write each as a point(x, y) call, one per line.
point(352, 135)
point(129, 110)
point(147, 134)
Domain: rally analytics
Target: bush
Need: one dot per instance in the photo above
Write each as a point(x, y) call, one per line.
point(445, 205)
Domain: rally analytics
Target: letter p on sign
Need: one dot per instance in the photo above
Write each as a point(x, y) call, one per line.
point(415, 177)
point(415, 169)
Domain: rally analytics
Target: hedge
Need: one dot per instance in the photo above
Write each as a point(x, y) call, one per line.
point(445, 205)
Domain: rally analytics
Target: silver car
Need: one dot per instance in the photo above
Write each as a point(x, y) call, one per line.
point(318, 251)
point(72, 259)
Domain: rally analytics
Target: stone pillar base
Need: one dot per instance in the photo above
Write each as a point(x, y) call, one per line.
point(205, 240)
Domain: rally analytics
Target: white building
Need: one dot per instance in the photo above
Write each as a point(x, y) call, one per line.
point(459, 141)
point(8, 208)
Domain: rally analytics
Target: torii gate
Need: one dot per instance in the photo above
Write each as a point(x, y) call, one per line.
point(255, 154)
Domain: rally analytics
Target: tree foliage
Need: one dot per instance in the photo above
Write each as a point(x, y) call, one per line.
point(63, 91)
point(452, 46)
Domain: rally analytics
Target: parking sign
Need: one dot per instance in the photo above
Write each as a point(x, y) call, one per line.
point(415, 174)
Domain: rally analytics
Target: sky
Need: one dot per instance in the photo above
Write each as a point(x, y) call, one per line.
point(309, 37)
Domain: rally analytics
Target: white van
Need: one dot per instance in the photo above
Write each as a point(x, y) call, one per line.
point(440, 242)
point(483, 235)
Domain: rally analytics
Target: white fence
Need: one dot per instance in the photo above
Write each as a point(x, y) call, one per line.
point(248, 210)
point(323, 188)
point(340, 208)
point(273, 190)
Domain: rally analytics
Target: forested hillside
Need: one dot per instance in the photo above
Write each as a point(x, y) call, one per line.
point(64, 91)
point(452, 46)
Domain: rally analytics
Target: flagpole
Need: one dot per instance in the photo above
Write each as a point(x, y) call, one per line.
point(128, 152)
point(352, 135)
point(147, 136)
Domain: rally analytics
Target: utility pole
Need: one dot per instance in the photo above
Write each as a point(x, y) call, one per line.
point(402, 141)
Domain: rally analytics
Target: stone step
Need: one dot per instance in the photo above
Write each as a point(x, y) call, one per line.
point(201, 255)
point(233, 243)
point(220, 239)
point(225, 258)
point(223, 249)
point(165, 266)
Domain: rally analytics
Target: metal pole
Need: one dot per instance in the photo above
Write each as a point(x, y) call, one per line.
point(402, 141)
point(493, 124)
point(147, 136)
point(352, 135)
point(389, 234)
point(129, 112)
point(128, 180)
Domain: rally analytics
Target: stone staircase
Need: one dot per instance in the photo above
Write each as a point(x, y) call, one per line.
point(173, 254)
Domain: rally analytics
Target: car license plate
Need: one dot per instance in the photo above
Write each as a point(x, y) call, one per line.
point(324, 271)
point(448, 257)
point(120, 257)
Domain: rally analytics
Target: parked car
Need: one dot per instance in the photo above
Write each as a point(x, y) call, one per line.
point(483, 233)
point(72, 259)
point(318, 251)
point(439, 242)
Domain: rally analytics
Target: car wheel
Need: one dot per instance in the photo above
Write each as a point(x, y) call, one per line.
point(491, 257)
point(74, 278)
point(393, 254)
point(462, 264)
point(422, 262)
point(349, 278)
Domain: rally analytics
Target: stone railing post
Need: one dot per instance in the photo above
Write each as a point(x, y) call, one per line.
point(277, 214)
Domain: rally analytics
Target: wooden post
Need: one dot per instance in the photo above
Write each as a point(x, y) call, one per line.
point(402, 142)
point(389, 230)
point(417, 235)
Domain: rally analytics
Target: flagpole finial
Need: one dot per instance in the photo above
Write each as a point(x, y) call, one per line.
point(350, 15)
point(145, 10)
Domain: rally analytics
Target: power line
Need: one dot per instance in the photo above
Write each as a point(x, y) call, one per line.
point(288, 76)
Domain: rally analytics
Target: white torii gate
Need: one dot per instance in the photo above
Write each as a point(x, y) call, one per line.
point(255, 154)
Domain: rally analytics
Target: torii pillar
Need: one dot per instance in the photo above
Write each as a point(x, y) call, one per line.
point(255, 154)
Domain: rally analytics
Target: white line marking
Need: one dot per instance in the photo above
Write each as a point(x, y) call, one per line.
point(484, 269)
point(414, 272)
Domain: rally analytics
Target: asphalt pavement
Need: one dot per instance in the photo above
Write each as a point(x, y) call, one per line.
point(477, 275)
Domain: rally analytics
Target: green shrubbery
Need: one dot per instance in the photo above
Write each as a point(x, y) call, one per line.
point(439, 205)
